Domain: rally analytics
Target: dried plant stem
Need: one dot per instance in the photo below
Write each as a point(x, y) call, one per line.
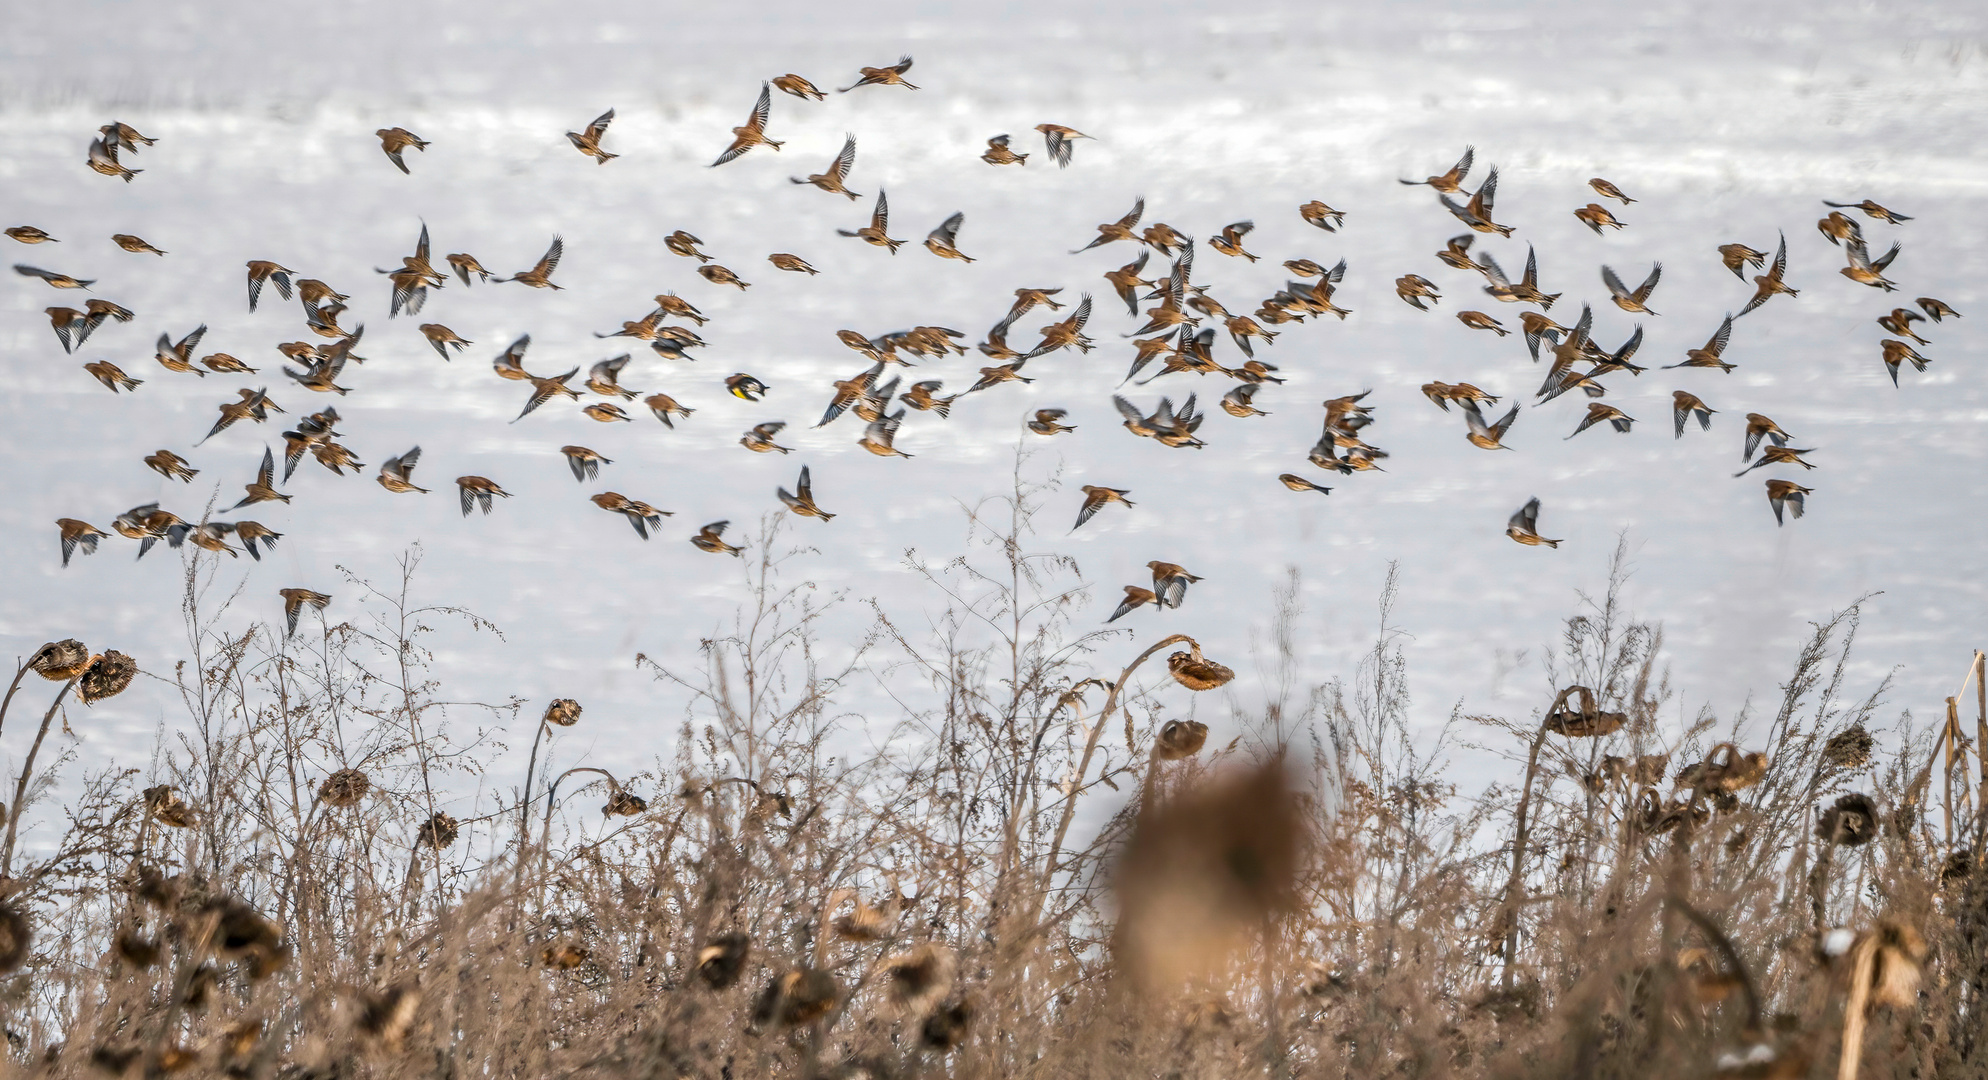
point(27, 777)
point(1508, 911)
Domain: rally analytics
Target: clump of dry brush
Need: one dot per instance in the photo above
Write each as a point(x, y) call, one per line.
point(1043, 865)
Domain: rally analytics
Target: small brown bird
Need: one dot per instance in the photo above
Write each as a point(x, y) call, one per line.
point(1325, 217)
point(588, 142)
point(719, 275)
point(665, 406)
point(830, 179)
point(102, 311)
point(1865, 270)
point(1601, 411)
point(877, 231)
point(1871, 208)
point(760, 439)
point(395, 141)
point(998, 153)
point(1242, 329)
point(1526, 291)
point(605, 412)
point(1759, 427)
point(1778, 455)
point(1120, 229)
point(991, 377)
point(211, 536)
point(123, 136)
point(1414, 288)
point(397, 475)
point(1524, 526)
point(179, 357)
point(1477, 320)
point(443, 339)
point(509, 364)
point(112, 376)
point(248, 532)
point(254, 405)
point(802, 500)
point(1067, 332)
point(1477, 212)
point(604, 378)
point(753, 132)
point(1633, 301)
point(1738, 256)
point(1456, 253)
point(103, 160)
point(1170, 582)
point(1230, 242)
point(294, 602)
point(314, 292)
point(77, 534)
point(1299, 483)
point(1897, 353)
point(1126, 281)
point(1049, 422)
point(226, 364)
point(466, 265)
point(1135, 597)
point(711, 538)
point(1709, 355)
point(72, 327)
point(544, 390)
point(1900, 322)
point(672, 304)
point(171, 466)
point(682, 243)
point(55, 280)
point(1936, 309)
point(880, 437)
point(1838, 227)
point(28, 234)
point(261, 270)
point(1451, 182)
point(1787, 493)
point(1482, 435)
point(540, 275)
point(586, 464)
point(478, 491)
point(1684, 406)
point(1164, 238)
point(148, 525)
point(922, 396)
point(1609, 191)
point(1060, 141)
point(797, 86)
point(943, 241)
point(883, 76)
point(1770, 284)
point(136, 245)
point(1095, 498)
point(1595, 216)
point(263, 488)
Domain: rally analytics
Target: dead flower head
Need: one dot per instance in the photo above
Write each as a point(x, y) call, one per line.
point(242, 934)
point(1575, 714)
point(60, 661)
point(564, 712)
point(15, 937)
point(107, 676)
point(795, 997)
point(438, 832)
point(1205, 869)
point(1197, 672)
point(947, 1026)
point(1849, 748)
point(864, 923)
point(1180, 739)
point(917, 981)
point(624, 804)
point(167, 808)
point(387, 1017)
point(722, 960)
point(344, 788)
point(1851, 821)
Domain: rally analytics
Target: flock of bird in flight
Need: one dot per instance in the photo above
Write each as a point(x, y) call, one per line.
point(1173, 335)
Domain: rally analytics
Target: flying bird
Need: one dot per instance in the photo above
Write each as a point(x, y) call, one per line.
point(397, 474)
point(1060, 142)
point(263, 488)
point(1524, 526)
point(294, 602)
point(395, 141)
point(943, 241)
point(753, 132)
point(883, 76)
point(802, 500)
point(997, 153)
point(1634, 300)
point(540, 275)
point(1684, 406)
point(75, 534)
point(1095, 498)
point(711, 538)
point(1769, 285)
point(588, 142)
point(1451, 182)
point(798, 86)
point(830, 179)
point(478, 491)
point(1788, 494)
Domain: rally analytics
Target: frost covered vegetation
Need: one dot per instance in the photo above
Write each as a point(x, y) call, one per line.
point(1039, 865)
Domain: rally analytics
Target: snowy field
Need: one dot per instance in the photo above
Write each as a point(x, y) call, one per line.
point(1726, 123)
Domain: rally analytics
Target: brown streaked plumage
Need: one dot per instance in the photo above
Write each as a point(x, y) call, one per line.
point(1602, 412)
point(397, 474)
point(1936, 309)
point(1524, 526)
point(544, 390)
point(802, 500)
point(880, 437)
point(1060, 142)
point(1451, 182)
point(877, 232)
point(28, 234)
point(112, 376)
point(134, 244)
point(682, 243)
point(212, 536)
point(1897, 353)
point(606, 412)
point(55, 280)
point(944, 240)
point(171, 466)
point(991, 377)
point(263, 488)
point(1164, 238)
point(1609, 191)
point(761, 439)
point(1050, 422)
point(586, 464)
point(337, 457)
point(395, 141)
point(1685, 405)
point(248, 532)
point(325, 364)
point(672, 304)
point(1414, 288)
point(1230, 241)
point(1759, 427)
point(1865, 270)
point(179, 356)
point(1456, 253)
point(665, 407)
point(1770, 284)
point(314, 292)
point(1525, 291)
point(1243, 329)
point(753, 132)
point(466, 265)
point(148, 525)
point(443, 339)
point(711, 538)
point(1239, 402)
point(509, 364)
point(226, 364)
point(1838, 227)
point(1126, 281)
point(997, 153)
point(1778, 455)
point(124, 136)
point(102, 311)
point(480, 492)
point(540, 275)
point(1325, 217)
point(1483, 435)
point(103, 160)
point(294, 602)
point(1737, 257)
point(883, 76)
point(1872, 209)
point(1095, 498)
point(75, 534)
point(604, 378)
point(1066, 332)
point(1711, 353)
point(1135, 597)
point(261, 270)
point(1635, 301)
point(254, 405)
point(1477, 213)
point(71, 326)
point(797, 86)
point(1900, 322)
point(1596, 216)
point(1121, 229)
point(1787, 493)
point(831, 179)
point(719, 275)
point(923, 397)
point(1477, 320)
point(1170, 582)
point(1299, 483)
point(588, 142)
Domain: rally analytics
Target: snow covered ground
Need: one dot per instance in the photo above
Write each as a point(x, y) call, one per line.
point(1726, 122)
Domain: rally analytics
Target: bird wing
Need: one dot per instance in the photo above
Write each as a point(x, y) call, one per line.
point(948, 230)
point(1462, 167)
point(421, 245)
point(1492, 272)
point(266, 475)
point(844, 161)
point(1614, 283)
point(804, 490)
point(1138, 211)
point(1649, 284)
point(549, 262)
point(762, 109)
point(1880, 264)
point(1527, 519)
point(599, 127)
